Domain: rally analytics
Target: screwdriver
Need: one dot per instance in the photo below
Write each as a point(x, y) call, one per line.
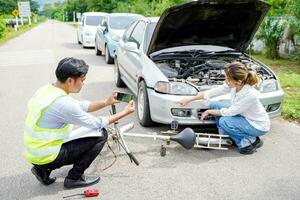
point(87, 193)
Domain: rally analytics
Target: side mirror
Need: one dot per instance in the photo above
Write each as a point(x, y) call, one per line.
point(132, 47)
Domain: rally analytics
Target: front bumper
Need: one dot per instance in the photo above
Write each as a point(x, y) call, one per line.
point(162, 104)
point(88, 41)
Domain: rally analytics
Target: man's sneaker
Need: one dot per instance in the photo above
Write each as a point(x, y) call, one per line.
point(84, 181)
point(252, 147)
point(42, 175)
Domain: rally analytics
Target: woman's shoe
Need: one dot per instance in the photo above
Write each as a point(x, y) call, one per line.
point(252, 147)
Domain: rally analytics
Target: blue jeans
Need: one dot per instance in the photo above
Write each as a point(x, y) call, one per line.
point(237, 127)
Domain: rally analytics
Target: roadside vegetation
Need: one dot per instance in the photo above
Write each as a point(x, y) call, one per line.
point(282, 26)
point(7, 30)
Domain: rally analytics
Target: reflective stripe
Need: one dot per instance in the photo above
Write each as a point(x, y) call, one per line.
point(46, 135)
point(43, 152)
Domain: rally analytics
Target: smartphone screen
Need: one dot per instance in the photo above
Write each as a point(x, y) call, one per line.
point(124, 97)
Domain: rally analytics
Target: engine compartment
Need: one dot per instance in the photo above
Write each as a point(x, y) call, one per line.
point(204, 70)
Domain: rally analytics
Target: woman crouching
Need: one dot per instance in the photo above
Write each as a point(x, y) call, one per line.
point(245, 119)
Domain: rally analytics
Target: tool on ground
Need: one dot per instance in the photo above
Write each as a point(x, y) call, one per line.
point(87, 193)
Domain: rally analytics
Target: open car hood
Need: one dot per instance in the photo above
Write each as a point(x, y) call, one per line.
point(229, 23)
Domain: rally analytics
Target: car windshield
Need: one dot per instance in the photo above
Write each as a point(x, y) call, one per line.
point(93, 20)
point(121, 22)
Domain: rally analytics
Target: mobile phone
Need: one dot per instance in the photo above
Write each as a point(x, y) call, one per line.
point(124, 97)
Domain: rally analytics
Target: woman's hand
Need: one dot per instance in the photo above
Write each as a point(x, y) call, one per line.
point(112, 99)
point(130, 107)
point(204, 115)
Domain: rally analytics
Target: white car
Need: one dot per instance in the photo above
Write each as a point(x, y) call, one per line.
point(186, 51)
point(87, 28)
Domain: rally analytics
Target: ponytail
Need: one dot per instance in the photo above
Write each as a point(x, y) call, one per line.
point(238, 71)
point(252, 78)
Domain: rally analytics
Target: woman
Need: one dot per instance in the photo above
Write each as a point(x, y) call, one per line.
point(245, 119)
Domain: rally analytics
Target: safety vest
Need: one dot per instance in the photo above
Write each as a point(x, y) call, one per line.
point(42, 145)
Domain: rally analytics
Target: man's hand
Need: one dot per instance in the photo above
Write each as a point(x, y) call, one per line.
point(130, 107)
point(204, 115)
point(183, 102)
point(112, 99)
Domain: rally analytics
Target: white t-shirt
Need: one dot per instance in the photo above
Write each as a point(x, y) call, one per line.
point(244, 103)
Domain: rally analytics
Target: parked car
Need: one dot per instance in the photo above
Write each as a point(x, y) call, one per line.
point(87, 28)
point(110, 31)
point(186, 51)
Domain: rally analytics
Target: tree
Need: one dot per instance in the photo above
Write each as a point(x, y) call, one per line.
point(7, 6)
point(34, 6)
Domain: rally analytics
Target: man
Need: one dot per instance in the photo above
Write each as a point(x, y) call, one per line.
point(52, 112)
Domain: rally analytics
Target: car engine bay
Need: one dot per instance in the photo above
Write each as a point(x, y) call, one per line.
point(204, 70)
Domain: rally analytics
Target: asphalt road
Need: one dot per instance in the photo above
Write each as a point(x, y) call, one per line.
point(29, 61)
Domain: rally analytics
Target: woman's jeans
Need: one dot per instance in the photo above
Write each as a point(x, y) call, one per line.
point(237, 127)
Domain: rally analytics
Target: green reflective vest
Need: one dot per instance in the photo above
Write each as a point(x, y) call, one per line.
point(42, 145)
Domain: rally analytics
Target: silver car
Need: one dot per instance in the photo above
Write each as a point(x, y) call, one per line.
point(185, 51)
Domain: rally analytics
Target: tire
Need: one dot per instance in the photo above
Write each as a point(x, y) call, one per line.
point(82, 43)
point(117, 75)
point(97, 51)
point(78, 40)
point(108, 58)
point(143, 110)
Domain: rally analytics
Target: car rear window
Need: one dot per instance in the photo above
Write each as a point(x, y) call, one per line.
point(93, 20)
point(121, 22)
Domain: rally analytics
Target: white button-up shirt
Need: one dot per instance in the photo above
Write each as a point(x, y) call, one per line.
point(244, 103)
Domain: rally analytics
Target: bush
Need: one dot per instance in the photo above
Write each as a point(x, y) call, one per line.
point(2, 28)
point(271, 32)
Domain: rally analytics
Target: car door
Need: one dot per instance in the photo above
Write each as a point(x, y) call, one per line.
point(132, 60)
point(104, 30)
point(80, 27)
point(121, 50)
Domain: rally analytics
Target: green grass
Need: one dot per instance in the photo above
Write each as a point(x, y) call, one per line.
point(75, 25)
point(11, 33)
point(288, 71)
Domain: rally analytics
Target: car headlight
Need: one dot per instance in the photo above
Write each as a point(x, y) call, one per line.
point(115, 38)
point(87, 33)
point(269, 85)
point(177, 88)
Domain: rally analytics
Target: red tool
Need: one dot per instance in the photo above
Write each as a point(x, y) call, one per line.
point(87, 193)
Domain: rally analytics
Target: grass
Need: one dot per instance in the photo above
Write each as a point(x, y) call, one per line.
point(11, 33)
point(288, 71)
point(75, 25)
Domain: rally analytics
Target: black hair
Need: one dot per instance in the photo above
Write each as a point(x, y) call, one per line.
point(70, 67)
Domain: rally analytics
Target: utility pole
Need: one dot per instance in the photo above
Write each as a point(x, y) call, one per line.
point(74, 17)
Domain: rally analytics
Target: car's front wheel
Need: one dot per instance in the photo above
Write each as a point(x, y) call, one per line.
point(117, 75)
point(78, 41)
point(97, 51)
point(83, 46)
point(143, 105)
point(108, 58)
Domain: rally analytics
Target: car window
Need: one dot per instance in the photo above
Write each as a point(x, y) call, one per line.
point(128, 32)
point(93, 20)
point(137, 34)
point(149, 33)
point(121, 22)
